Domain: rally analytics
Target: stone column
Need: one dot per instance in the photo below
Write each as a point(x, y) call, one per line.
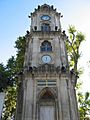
point(64, 97)
point(2, 96)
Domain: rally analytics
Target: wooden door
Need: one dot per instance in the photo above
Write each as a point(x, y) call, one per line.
point(47, 113)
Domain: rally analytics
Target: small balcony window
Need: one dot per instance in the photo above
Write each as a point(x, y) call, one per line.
point(45, 27)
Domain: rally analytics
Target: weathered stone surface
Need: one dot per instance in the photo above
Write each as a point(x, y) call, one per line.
point(48, 91)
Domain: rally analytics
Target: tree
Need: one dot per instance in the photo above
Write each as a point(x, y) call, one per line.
point(3, 78)
point(73, 48)
point(6, 75)
point(20, 44)
point(12, 69)
point(84, 105)
point(10, 99)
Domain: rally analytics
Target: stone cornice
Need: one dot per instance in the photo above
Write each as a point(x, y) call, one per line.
point(46, 70)
point(45, 8)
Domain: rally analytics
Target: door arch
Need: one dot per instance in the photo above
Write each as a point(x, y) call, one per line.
point(47, 105)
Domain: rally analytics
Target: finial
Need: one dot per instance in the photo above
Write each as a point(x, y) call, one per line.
point(61, 16)
point(27, 32)
point(29, 16)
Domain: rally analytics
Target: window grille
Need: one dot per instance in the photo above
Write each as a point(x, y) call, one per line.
point(49, 83)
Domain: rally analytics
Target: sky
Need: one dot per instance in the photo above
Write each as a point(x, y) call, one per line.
point(14, 22)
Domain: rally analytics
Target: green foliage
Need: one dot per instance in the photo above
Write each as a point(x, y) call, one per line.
point(84, 105)
point(3, 78)
point(78, 86)
point(7, 74)
point(10, 103)
point(11, 65)
point(10, 99)
point(73, 46)
point(20, 45)
point(10, 72)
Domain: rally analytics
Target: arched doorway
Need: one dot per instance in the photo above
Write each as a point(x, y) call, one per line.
point(47, 105)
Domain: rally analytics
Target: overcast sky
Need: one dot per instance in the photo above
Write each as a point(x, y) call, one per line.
point(14, 22)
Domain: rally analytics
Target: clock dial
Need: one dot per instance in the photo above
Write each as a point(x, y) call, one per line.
point(46, 58)
point(45, 17)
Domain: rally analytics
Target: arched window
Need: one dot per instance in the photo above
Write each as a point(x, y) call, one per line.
point(45, 27)
point(46, 46)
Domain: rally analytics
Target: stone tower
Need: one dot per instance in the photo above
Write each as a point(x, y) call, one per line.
point(46, 91)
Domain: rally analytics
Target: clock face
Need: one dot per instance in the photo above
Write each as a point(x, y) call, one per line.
point(46, 58)
point(45, 17)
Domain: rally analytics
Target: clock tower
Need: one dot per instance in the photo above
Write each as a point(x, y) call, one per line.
point(46, 90)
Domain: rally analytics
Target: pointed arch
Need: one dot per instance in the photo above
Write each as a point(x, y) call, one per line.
point(47, 94)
